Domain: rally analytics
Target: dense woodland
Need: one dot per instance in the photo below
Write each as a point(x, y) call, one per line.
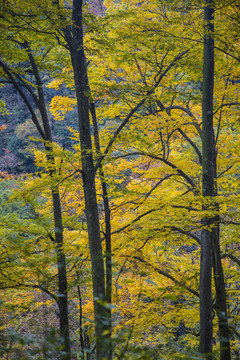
point(119, 179)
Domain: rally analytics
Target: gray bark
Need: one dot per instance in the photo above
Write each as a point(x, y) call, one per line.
point(74, 39)
point(107, 213)
point(208, 172)
point(210, 237)
point(221, 302)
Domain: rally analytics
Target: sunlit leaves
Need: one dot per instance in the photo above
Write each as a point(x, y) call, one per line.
point(152, 171)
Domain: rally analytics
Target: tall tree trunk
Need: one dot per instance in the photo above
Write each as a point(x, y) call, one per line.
point(208, 183)
point(107, 213)
point(75, 42)
point(57, 212)
point(210, 235)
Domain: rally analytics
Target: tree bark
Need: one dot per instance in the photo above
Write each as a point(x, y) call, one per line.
point(75, 44)
point(210, 239)
point(62, 277)
point(221, 302)
point(108, 245)
point(208, 172)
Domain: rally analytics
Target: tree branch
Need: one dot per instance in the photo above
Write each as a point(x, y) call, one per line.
point(29, 106)
point(133, 221)
point(167, 275)
point(134, 110)
point(185, 232)
point(198, 152)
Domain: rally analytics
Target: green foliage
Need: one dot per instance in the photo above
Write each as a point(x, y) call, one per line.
point(153, 174)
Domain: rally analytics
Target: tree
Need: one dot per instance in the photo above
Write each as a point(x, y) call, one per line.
point(18, 77)
point(75, 43)
point(220, 289)
point(147, 92)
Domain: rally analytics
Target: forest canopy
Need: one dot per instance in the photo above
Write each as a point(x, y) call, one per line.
point(119, 179)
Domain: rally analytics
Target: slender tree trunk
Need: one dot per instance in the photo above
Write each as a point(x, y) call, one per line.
point(58, 226)
point(62, 277)
point(208, 183)
point(221, 303)
point(107, 212)
point(57, 212)
point(88, 175)
point(206, 294)
point(45, 133)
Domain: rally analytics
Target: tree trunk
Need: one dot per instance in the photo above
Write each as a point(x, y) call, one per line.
point(221, 303)
point(107, 213)
point(208, 182)
point(210, 251)
point(88, 175)
point(57, 212)
point(45, 133)
point(62, 277)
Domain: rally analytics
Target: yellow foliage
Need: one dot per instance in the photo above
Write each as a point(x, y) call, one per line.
point(60, 105)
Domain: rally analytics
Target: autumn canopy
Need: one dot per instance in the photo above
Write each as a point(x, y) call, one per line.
point(119, 179)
